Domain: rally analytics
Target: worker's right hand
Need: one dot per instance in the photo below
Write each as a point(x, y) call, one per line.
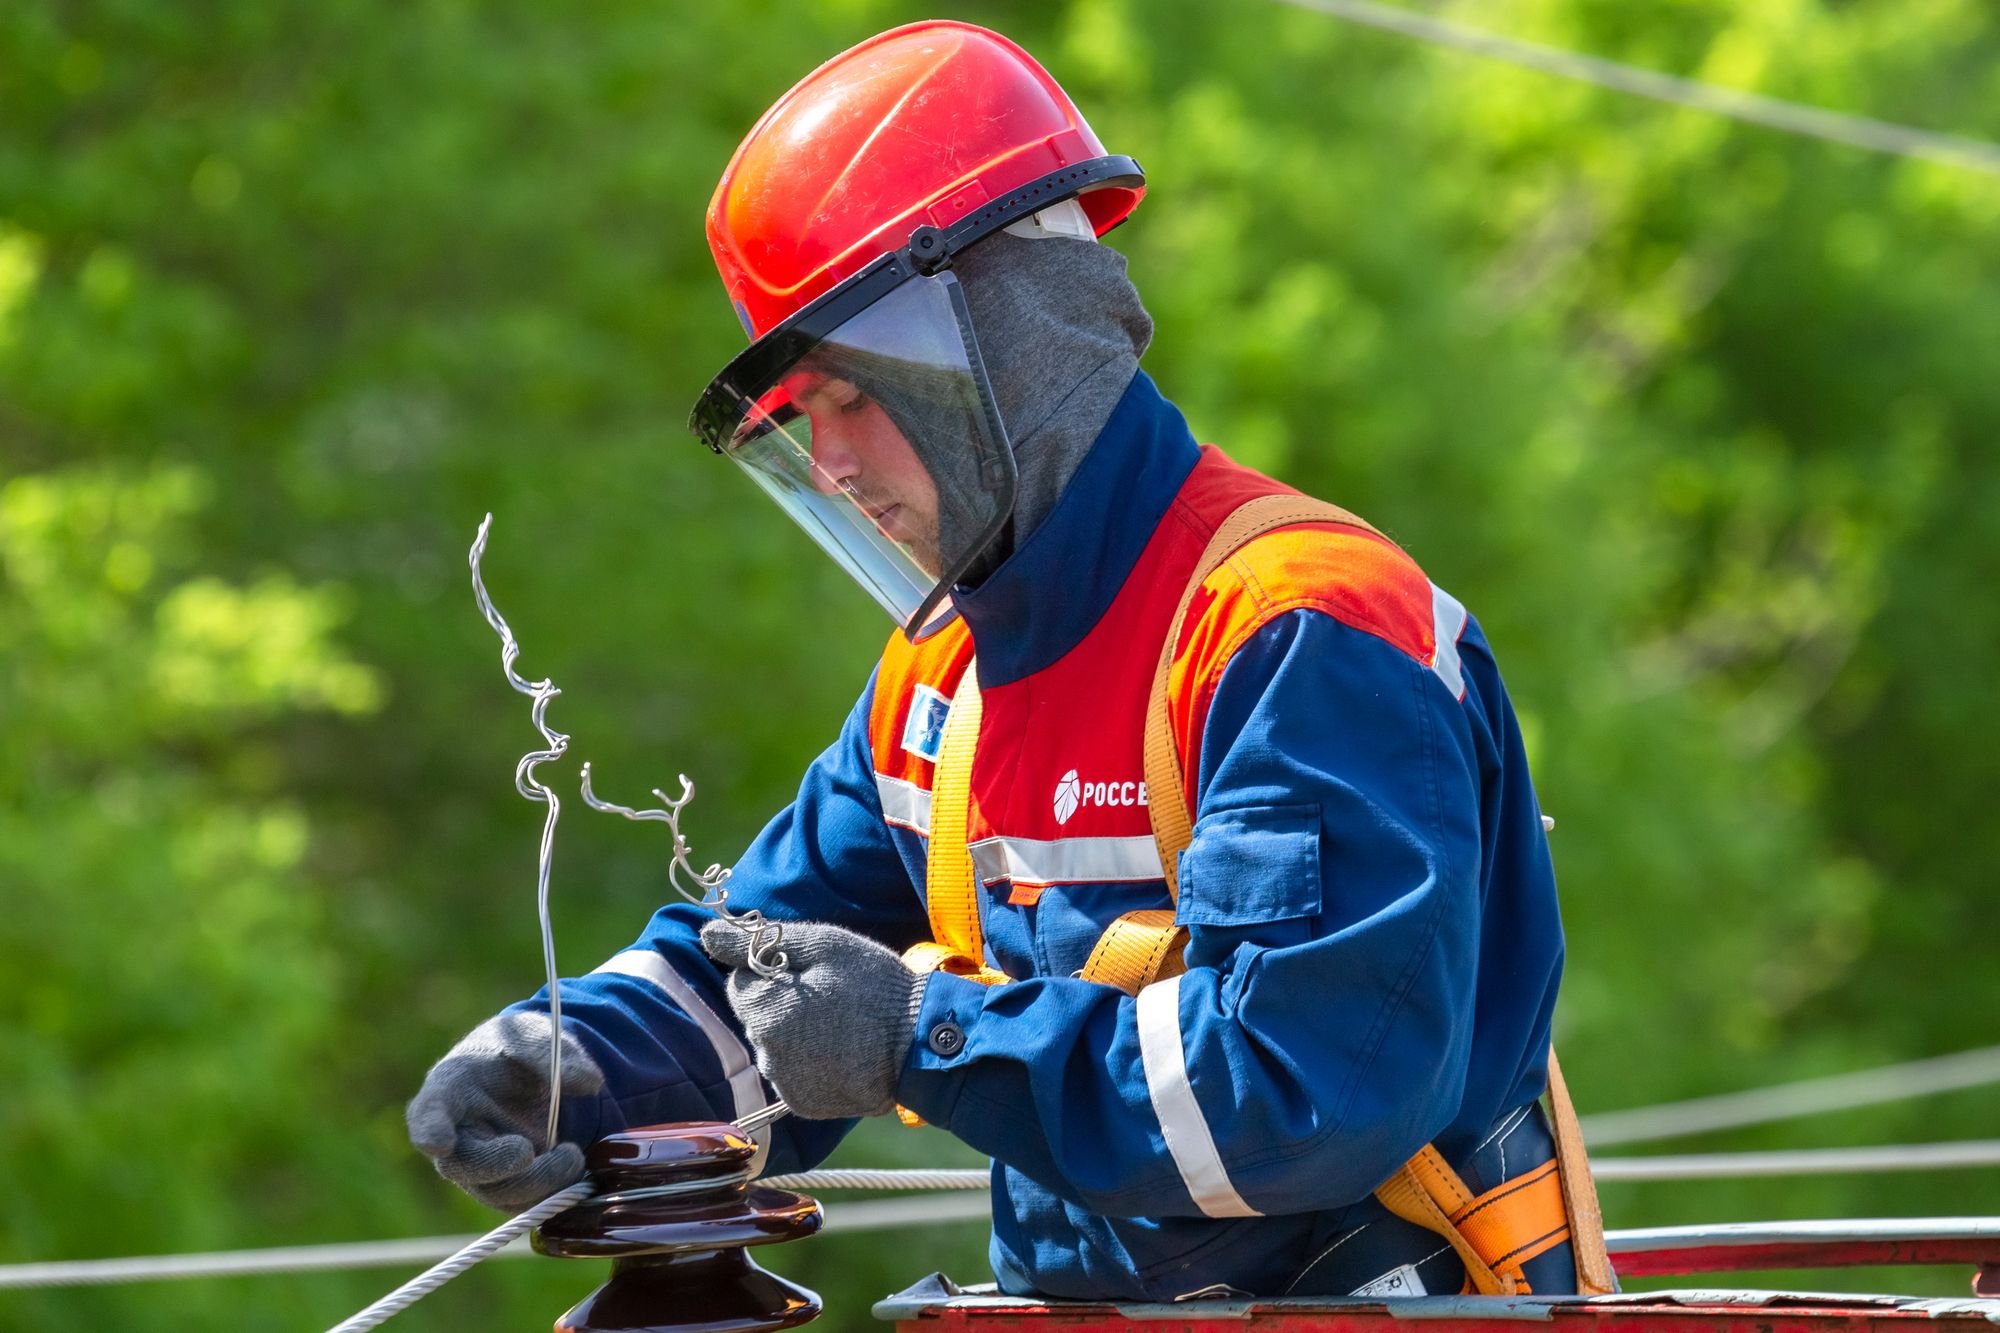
point(482, 1114)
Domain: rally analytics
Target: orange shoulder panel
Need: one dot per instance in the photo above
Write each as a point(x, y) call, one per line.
point(1361, 580)
point(935, 663)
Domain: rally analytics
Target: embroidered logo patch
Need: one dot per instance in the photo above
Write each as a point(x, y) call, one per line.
point(923, 733)
point(1068, 792)
point(1072, 791)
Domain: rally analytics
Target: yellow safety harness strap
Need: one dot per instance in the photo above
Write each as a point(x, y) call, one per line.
point(1516, 1220)
point(951, 885)
point(1135, 949)
point(933, 957)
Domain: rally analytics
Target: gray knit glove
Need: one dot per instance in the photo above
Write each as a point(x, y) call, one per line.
point(831, 1031)
point(483, 1112)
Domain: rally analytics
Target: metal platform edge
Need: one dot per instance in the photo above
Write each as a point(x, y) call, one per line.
point(924, 1300)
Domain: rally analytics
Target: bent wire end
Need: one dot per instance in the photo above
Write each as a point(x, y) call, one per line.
point(766, 957)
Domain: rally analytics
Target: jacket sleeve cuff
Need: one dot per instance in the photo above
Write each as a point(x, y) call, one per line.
point(943, 1047)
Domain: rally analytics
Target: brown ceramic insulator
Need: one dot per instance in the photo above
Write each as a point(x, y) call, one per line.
point(665, 1154)
point(714, 1292)
point(679, 1225)
point(676, 1211)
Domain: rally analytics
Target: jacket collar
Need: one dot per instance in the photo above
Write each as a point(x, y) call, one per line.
point(1060, 580)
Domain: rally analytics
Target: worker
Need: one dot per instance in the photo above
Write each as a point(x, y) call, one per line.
point(1356, 960)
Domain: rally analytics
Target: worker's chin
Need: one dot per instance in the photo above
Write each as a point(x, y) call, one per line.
point(925, 553)
point(919, 539)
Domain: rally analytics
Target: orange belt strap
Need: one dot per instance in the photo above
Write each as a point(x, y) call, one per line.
point(1426, 1191)
point(1496, 1232)
point(1516, 1220)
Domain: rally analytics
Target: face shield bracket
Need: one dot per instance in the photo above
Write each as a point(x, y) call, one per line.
point(929, 251)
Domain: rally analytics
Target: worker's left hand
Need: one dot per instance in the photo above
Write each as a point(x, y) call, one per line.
point(832, 1030)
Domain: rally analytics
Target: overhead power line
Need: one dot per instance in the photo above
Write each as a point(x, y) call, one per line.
point(1801, 1162)
point(1839, 127)
point(244, 1263)
point(1840, 1092)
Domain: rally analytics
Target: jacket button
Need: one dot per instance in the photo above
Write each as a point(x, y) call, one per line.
point(947, 1039)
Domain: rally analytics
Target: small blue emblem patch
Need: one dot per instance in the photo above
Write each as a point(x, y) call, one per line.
point(923, 734)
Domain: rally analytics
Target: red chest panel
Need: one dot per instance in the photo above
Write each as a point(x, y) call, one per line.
point(1058, 792)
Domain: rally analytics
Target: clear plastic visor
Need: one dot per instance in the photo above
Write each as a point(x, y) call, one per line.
point(882, 442)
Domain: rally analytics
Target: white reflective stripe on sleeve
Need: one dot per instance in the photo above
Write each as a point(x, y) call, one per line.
point(1181, 1121)
point(904, 803)
point(745, 1087)
point(1448, 623)
point(1066, 860)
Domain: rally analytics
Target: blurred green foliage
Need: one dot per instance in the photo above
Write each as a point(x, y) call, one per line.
point(1699, 419)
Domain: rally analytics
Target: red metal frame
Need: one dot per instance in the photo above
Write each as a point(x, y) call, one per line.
point(1978, 1250)
point(1665, 1317)
point(1726, 1249)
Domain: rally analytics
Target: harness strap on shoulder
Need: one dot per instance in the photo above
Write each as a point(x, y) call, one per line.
point(1166, 793)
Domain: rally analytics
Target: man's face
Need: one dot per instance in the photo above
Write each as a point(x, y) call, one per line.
point(858, 450)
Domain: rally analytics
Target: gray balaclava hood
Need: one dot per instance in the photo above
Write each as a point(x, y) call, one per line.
point(1061, 330)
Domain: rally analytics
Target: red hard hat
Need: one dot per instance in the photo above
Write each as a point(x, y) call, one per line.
point(922, 125)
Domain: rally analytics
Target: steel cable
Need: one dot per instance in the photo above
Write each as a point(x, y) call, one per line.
point(1838, 1092)
point(1839, 127)
point(975, 1178)
point(1801, 1162)
point(437, 1275)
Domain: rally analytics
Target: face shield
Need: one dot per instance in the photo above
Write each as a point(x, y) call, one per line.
point(881, 440)
point(869, 418)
